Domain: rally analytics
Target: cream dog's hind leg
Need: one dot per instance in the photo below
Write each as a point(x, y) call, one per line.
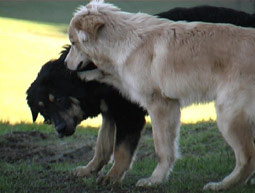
point(235, 126)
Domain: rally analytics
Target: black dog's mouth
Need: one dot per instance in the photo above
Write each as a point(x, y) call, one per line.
point(64, 131)
point(66, 134)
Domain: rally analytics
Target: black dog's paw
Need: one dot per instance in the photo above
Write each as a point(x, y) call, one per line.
point(108, 180)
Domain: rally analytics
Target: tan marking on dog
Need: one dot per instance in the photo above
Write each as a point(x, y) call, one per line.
point(74, 111)
point(41, 104)
point(51, 97)
point(122, 161)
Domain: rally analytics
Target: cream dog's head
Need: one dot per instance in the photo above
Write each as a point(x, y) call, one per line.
point(84, 31)
point(101, 33)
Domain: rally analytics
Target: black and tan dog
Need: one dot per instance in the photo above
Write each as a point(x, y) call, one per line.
point(64, 100)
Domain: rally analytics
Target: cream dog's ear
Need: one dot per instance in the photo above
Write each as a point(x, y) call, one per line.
point(90, 24)
point(82, 35)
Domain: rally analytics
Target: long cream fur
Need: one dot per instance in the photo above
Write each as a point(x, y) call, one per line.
point(165, 65)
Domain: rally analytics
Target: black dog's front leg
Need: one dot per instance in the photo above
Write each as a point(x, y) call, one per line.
point(103, 151)
point(128, 133)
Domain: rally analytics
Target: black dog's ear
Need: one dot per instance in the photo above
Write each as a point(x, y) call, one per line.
point(34, 114)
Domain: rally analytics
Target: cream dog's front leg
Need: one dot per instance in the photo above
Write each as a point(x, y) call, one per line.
point(165, 116)
point(100, 76)
point(90, 75)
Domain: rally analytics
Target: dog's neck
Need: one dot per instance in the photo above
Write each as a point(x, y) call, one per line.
point(133, 34)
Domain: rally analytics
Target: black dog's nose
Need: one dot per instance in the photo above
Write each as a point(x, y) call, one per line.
point(60, 127)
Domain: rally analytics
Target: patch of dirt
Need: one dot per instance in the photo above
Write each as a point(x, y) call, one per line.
point(43, 148)
point(47, 148)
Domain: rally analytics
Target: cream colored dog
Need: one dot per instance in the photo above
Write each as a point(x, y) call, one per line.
point(163, 66)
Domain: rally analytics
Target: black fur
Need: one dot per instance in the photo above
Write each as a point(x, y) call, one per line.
point(210, 14)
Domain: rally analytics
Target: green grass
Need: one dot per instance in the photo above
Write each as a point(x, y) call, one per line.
point(204, 157)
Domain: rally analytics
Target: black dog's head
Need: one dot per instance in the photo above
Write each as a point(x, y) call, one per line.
point(63, 111)
point(56, 95)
